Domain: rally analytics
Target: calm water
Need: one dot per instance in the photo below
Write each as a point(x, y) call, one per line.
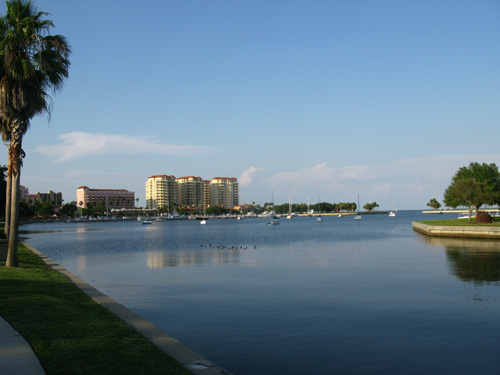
point(337, 297)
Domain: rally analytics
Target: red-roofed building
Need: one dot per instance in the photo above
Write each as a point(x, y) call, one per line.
point(113, 198)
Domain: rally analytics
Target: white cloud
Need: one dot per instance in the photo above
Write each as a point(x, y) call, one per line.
point(321, 175)
point(249, 175)
point(79, 144)
point(410, 183)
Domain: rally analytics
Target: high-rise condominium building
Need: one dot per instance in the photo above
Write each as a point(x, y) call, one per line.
point(163, 191)
point(190, 191)
point(113, 198)
point(224, 192)
point(51, 197)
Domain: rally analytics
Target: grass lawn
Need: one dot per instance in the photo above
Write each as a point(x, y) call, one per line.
point(460, 222)
point(70, 333)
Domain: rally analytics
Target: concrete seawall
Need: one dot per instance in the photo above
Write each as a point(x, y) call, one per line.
point(459, 231)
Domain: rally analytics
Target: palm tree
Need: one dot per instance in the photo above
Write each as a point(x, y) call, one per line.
point(5, 133)
point(31, 63)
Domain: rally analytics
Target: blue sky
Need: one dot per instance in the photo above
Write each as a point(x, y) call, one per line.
point(385, 99)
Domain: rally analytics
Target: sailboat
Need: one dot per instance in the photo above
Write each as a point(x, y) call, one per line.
point(358, 215)
point(240, 216)
point(319, 218)
point(275, 220)
point(289, 216)
point(392, 213)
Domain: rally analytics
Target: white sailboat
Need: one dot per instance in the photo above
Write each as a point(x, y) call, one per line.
point(392, 213)
point(275, 220)
point(289, 216)
point(241, 216)
point(319, 218)
point(358, 215)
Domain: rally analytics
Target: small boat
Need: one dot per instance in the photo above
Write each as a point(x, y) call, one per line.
point(340, 215)
point(146, 222)
point(203, 222)
point(275, 220)
point(319, 219)
point(358, 215)
point(160, 220)
point(392, 213)
point(289, 216)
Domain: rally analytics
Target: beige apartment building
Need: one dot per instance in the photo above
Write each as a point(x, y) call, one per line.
point(190, 191)
point(163, 191)
point(114, 198)
point(51, 196)
point(224, 192)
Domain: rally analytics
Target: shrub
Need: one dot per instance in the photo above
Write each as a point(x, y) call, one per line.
point(483, 217)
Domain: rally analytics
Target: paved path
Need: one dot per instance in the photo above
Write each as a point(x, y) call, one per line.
point(16, 356)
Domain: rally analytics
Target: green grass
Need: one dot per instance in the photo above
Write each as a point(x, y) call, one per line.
point(69, 332)
point(460, 222)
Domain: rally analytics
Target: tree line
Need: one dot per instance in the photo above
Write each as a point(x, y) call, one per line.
point(302, 208)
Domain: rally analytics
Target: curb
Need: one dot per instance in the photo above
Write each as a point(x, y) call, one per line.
point(460, 231)
point(187, 357)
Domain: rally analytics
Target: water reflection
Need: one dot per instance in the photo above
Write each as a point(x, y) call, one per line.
point(39, 231)
point(471, 260)
point(186, 258)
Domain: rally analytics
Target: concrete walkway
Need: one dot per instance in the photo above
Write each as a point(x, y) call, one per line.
point(16, 356)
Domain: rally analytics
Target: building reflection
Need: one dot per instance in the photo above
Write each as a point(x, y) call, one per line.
point(187, 258)
point(471, 260)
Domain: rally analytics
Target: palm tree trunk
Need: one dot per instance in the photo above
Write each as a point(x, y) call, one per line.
point(12, 260)
point(16, 155)
point(8, 190)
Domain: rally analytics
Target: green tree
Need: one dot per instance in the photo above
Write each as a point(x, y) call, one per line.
point(46, 209)
point(433, 203)
point(25, 211)
point(69, 209)
point(370, 206)
point(32, 63)
point(485, 188)
point(464, 193)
